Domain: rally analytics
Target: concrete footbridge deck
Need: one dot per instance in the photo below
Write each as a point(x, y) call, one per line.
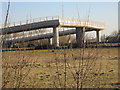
point(54, 22)
point(51, 22)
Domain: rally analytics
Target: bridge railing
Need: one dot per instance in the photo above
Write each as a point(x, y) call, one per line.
point(31, 21)
point(63, 20)
point(81, 22)
point(27, 35)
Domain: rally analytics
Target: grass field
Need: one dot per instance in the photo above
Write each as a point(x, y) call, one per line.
point(71, 68)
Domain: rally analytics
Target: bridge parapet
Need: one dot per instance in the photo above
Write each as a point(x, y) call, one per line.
point(80, 22)
point(62, 21)
point(31, 21)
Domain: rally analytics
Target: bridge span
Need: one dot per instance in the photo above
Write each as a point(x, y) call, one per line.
point(55, 22)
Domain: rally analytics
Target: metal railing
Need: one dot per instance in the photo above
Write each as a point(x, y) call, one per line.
point(82, 22)
point(31, 21)
point(27, 35)
point(62, 20)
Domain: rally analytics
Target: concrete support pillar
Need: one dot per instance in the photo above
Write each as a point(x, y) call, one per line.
point(56, 36)
point(50, 41)
point(80, 32)
point(98, 36)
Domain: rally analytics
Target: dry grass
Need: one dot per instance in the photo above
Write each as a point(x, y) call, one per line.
point(46, 67)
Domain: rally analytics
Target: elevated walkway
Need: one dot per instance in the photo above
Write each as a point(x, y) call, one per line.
point(48, 22)
point(54, 22)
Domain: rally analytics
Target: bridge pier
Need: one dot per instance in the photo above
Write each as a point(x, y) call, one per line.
point(56, 37)
point(98, 36)
point(80, 31)
point(50, 41)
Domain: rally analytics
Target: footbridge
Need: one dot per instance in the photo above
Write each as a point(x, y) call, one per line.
point(80, 25)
